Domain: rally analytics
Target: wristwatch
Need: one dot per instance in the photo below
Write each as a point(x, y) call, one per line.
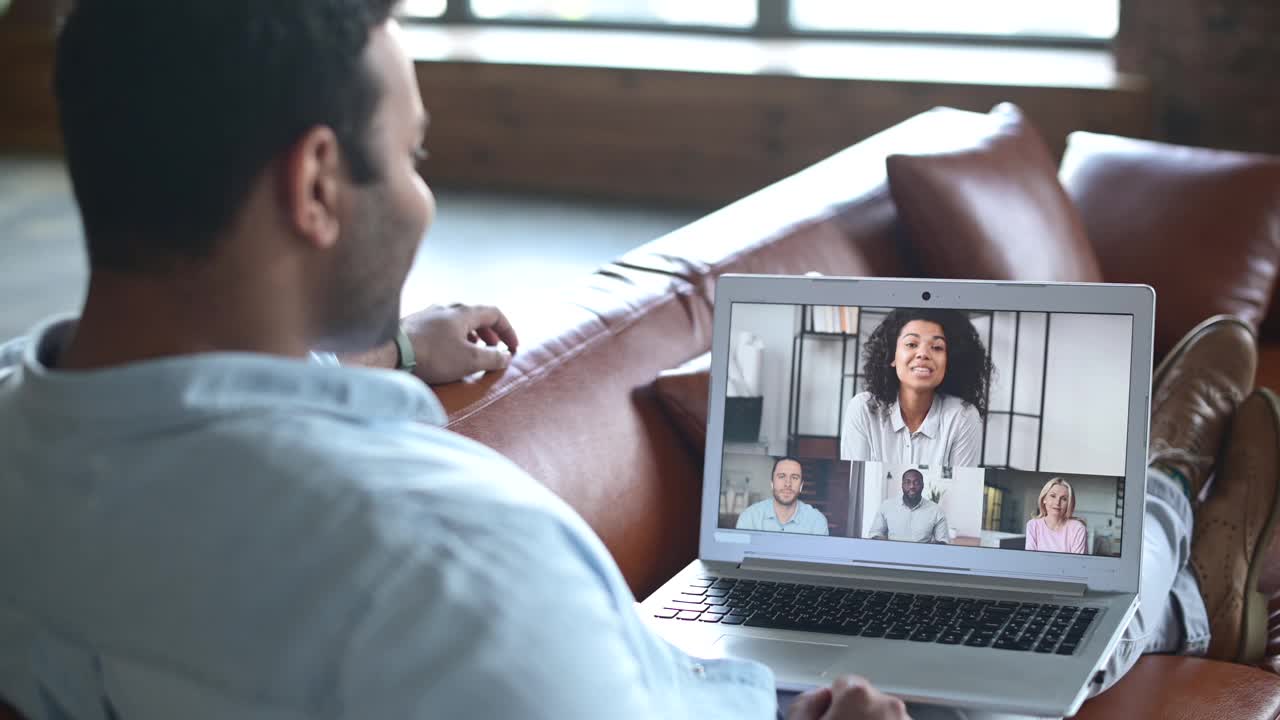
point(405, 359)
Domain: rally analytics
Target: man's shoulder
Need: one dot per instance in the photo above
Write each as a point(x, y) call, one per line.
point(760, 507)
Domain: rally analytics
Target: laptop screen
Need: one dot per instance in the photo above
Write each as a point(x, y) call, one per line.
point(993, 429)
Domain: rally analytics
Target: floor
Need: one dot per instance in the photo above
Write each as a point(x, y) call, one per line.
point(497, 248)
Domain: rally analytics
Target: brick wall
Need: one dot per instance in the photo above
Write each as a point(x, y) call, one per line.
point(1212, 65)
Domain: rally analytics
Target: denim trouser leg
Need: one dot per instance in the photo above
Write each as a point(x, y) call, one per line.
point(1171, 615)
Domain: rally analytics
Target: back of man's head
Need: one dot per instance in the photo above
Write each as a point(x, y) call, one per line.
point(170, 109)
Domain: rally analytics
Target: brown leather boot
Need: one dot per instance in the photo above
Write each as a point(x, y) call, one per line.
point(1195, 389)
point(1236, 530)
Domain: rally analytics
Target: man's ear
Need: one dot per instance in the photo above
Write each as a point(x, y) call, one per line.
point(311, 187)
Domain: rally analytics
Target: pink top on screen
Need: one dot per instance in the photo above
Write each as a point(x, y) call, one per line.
point(1071, 538)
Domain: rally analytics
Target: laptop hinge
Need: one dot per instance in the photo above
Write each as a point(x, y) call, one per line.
point(916, 575)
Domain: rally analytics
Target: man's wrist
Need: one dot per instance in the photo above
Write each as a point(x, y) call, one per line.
point(405, 358)
point(384, 356)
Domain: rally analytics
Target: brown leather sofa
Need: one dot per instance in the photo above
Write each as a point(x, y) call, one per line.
point(578, 407)
point(579, 410)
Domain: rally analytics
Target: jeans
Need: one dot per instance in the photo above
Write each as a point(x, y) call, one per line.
point(1171, 615)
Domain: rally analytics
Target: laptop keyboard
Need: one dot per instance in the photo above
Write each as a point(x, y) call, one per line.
point(943, 619)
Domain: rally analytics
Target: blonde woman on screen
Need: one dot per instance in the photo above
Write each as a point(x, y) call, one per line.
point(1055, 528)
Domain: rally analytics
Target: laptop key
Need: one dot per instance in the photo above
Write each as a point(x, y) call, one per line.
point(702, 583)
point(763, 620)
point(716, 592)
point(1066, 648)
point(874, 631)
point(733, 620)
point(688, 615)
point(851, 627)
point(710, 617)
point(666, 614)
point(682, 605)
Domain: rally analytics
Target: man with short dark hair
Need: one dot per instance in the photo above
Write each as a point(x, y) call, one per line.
point(913, 517)
point(197, 522)
point(785, 511)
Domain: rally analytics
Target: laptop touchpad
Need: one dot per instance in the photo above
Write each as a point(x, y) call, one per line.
point(791, 660)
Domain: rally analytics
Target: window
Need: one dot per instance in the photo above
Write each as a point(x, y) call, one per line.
point(1090, 21)
point(724, 13)
point(424, 8)
point(1095, 19)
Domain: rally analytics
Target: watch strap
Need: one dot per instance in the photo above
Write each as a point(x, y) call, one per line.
point(405, 359)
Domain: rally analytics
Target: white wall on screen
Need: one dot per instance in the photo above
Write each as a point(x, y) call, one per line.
point(775, 325)
point(1087, 394)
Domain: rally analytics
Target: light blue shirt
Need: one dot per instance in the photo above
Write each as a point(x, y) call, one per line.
point(763, 516)
point(241, 536)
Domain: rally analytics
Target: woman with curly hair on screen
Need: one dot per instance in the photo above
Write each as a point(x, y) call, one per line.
point(1055, 528)
point(927, 374)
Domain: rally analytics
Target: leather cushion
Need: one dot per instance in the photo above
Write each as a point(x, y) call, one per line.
point(1200, 226)
point(685, 394)
point(992, 210)
point(1165, 687)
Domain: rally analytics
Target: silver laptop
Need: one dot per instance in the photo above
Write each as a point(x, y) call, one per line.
point(937, 485)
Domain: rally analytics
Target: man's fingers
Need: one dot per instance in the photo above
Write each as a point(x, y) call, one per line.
point(488, 359)
point(489, 337)
point(490, 317)
point(853, 697)
point(810, 705)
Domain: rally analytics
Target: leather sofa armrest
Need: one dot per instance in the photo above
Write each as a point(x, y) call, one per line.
point(1161, 687)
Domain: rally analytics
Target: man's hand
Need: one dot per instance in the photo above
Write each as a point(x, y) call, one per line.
point(849, 698)
point(455, 341)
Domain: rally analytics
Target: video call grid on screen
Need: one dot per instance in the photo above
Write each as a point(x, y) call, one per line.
point(1021, 446)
